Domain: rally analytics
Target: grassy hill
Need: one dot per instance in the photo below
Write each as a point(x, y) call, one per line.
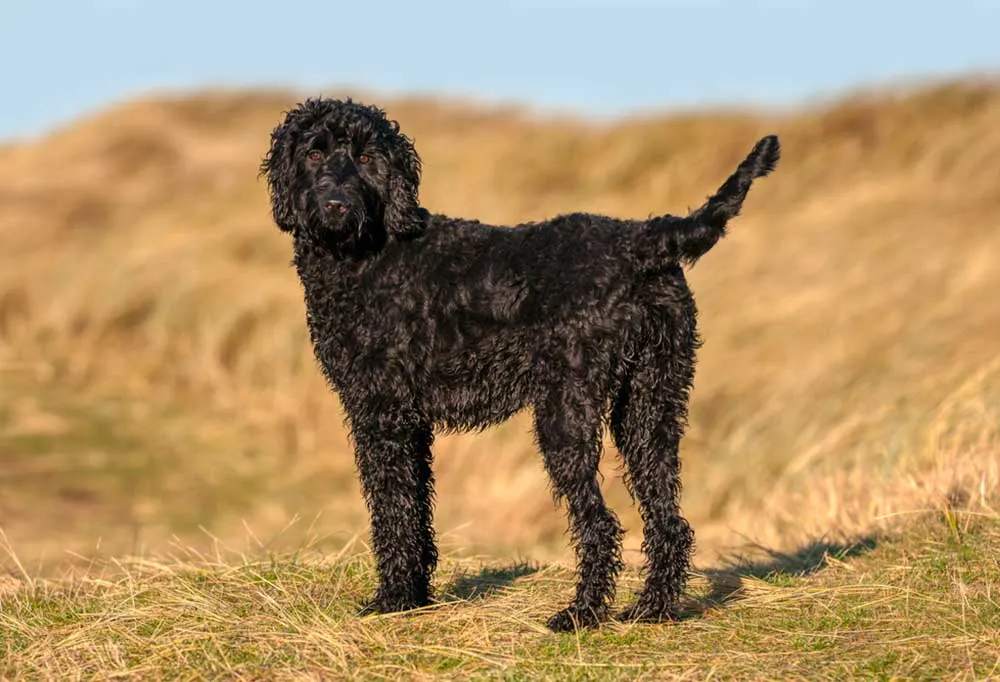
point(920, 603)
point(156, 385)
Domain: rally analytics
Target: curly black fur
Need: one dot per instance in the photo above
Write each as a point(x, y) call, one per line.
point(422, 321)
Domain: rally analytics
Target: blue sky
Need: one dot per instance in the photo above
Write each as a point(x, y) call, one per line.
point(603, 58)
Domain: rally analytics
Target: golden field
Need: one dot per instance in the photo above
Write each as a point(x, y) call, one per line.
point(157, 387)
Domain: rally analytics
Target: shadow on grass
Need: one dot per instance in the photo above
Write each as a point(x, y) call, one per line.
point(474, 586)
point(727, 583)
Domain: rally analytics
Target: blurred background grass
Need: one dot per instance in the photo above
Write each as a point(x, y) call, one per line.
point(156, 382)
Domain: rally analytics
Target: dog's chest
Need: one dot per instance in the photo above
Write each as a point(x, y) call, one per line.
point(360, 329)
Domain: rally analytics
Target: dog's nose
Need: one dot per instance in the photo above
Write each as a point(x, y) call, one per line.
point(335, 205)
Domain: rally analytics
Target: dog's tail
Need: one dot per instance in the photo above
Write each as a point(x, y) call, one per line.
point(694, 235)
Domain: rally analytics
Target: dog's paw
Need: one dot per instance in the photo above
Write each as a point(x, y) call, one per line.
point(371, 608)
point(646, 612)
point(380, 604)
point(573, 618)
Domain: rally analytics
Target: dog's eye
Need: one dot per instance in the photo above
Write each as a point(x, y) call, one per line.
point(315, 155)
point(364, 158)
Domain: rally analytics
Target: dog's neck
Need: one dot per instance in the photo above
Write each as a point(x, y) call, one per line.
point(366, 242)
point(319, 242)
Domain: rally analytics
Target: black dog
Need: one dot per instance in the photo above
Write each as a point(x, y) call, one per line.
point(422, 321)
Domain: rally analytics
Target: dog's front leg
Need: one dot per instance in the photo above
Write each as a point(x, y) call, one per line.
point(394, 458)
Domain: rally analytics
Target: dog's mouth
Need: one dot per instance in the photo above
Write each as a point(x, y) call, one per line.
point(350, 221)
point(343, 224)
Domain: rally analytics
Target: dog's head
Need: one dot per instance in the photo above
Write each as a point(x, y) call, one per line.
point(342, 171)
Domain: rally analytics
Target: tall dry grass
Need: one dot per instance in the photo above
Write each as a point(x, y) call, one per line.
point(851, 319)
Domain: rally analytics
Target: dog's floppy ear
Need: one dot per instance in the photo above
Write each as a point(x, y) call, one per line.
point(403, 215)
point(279, 169)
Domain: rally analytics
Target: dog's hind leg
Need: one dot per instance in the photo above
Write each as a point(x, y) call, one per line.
point(394, 461)
point(648, 418)
point(569, 435)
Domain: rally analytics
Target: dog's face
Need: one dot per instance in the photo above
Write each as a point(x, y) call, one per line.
point(341, 171)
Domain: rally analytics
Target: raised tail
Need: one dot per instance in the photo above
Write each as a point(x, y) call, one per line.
point(694, 235)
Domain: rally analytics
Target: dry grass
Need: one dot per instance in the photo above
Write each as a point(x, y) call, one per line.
point(917, 604)
point(156, 381)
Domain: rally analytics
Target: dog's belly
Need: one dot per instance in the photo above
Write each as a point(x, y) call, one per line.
point(476, 389)
point(476, 385)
